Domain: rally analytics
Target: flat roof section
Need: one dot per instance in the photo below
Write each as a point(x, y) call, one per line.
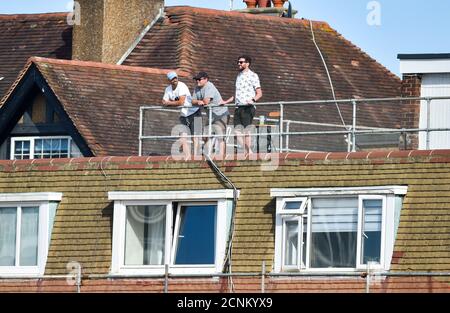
point(423, 56)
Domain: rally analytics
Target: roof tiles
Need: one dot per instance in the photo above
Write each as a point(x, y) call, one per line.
point(82, 229)
point(103, 100)
point(284, 56)
point(26, 35)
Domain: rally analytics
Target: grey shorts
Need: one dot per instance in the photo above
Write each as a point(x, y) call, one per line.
point(221, 122)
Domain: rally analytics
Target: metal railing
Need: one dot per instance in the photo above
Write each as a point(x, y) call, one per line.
point(369, 275)
point(284, 135)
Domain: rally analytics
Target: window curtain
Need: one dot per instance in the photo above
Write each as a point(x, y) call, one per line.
point(334, 229)
point(29, 236)
point(291, 244)
point(145, 235)
point(8, 218)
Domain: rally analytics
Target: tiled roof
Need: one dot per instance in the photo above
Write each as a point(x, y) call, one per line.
point(82, 229)
point(284, 56)
point(26, 35)
point(103, 100)
point(193, 39)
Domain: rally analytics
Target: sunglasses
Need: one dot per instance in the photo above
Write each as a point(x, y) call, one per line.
point(199, 79)
point(241, 62)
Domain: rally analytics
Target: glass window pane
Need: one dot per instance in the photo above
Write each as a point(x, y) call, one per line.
point(145, 235)
point(64, 153)
point(29, 236)
point(51, 148)
point(334, 228)
point(75, 151)
point(47, 148)
point(371, 230)
point(197, 235)
point(291, 244)
point(305, 232)
point(8, 221)
point(21, 150)
point(294, 205)
point(38, 146)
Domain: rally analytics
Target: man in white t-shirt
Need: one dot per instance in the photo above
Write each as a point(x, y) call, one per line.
point(248, 92)
point(178, 94)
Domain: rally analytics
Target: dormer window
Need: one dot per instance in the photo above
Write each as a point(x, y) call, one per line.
point(186, 230)
point(23, 148)
point(335, 229)
point(26, 222)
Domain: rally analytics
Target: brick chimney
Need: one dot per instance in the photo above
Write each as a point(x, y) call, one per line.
point(109, 27)
point(411, 85)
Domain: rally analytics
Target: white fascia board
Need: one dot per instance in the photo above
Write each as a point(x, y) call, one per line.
point(297, 192)
point(171, 195)
point(425, 66)
point(30, 197)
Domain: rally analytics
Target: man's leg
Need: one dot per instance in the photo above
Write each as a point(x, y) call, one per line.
point(197, 130)
point(186, 146)
point(239, 128)
point(247, 120)
point(184, 139)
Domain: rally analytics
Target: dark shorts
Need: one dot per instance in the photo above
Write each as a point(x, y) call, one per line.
point(189, 122)
point(243, 115)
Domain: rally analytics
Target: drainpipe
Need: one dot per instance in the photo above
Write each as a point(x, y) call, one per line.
point(217, 170)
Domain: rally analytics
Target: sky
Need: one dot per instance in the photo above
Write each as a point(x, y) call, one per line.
point(382, 28)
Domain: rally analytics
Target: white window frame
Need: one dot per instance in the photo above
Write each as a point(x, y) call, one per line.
point(386, 193)
point(359, 264)
point(299, 211)
point(121, 200)
point(300, 221)
point(40, 200)
point(32, 141)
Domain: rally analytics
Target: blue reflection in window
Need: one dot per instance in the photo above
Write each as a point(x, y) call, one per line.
point(197, 235)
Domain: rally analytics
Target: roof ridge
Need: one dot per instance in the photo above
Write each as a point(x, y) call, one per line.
point(303, 21)
point(136, 69)
point(33, 16)
point(139, 69)
point(440, 155)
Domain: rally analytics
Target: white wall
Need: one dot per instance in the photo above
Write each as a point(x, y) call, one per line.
point(435, 85)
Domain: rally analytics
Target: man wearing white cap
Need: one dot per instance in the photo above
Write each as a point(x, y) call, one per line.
point(178, 94)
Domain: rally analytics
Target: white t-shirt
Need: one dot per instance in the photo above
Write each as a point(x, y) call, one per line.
point(181, 90)
point(246, 84)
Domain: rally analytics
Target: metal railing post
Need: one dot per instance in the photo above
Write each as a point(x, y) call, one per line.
point(166, 278)
point(281, 125)
point(354, 127)
point(141, 115)
point(210, 139)
point(428, 123)
point(288, 124)
point(263, 277)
